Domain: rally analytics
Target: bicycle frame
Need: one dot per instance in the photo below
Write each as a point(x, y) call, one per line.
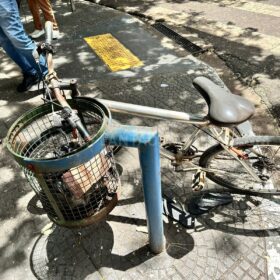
point(154, 113)
point(144, 111)
point(225, 138)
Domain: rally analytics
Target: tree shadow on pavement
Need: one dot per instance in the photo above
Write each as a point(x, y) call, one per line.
point(13, 253)
point(93, 250)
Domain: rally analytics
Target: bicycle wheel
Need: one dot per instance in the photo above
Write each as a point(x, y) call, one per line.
point(262, 154)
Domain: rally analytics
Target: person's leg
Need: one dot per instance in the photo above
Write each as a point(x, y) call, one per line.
point(24, 47)
point(30, 76)
point(46, 8)
point(34, 9)
point(19, 59)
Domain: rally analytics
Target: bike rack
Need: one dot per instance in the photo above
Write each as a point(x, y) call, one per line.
point(147, 141)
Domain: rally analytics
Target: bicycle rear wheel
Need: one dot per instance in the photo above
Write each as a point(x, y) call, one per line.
point(262, 155)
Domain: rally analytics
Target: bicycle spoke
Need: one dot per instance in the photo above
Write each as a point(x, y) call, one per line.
point(261, 158)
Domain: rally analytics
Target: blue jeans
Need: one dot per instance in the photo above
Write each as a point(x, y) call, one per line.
point(15, 41)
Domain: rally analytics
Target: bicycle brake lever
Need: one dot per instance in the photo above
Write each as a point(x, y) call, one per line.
point(75, 122)
point(44, 48)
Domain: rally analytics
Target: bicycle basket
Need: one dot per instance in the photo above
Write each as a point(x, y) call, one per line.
point(76, 181)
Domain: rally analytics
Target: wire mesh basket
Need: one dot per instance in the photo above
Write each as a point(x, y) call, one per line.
point(76, 181)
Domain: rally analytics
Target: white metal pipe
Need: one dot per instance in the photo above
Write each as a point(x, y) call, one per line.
point(151, 112)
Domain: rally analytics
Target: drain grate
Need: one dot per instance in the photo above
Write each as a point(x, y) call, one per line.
point(186, 44)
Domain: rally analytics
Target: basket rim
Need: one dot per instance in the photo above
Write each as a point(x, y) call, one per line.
point(96, 139)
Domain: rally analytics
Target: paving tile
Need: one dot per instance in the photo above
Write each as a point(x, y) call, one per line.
point(238, 272)
point(245, 264)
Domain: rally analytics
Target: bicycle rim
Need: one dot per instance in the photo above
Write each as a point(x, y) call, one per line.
point(262, 155)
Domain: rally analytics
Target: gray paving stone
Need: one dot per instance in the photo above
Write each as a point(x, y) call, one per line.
point(254, 273)
point(210, 271)
point(238, 272)
point(253, 258)
point(198, 271)
point(194, 277)
point(261, 265)
point(271, 277)
point(212, 253)
point(247, 277)
point(185, 272)
point(212, 262)
point(259, 250)
point(218, 274)
point(176, 277)
point(202, 252)
point(111, 276)
point(222, 268)
point(204, 277)
point(127, 277)
point(170, 271)
point(228, 262)
point(188, 264)
point(245, 264)
point(232, 276)
point(142, 268)
point(277, 270)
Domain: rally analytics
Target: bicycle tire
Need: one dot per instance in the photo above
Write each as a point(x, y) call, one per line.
point(251, 145)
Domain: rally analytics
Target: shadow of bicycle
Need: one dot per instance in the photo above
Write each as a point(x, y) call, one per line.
point(247, 215)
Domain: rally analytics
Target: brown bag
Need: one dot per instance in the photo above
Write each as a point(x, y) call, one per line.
point(81, 178)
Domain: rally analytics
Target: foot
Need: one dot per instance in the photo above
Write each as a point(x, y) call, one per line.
point(55, 34)
point(37, 33)
point(27, 82)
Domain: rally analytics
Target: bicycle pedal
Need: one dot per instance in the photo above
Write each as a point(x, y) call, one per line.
point(198, 180)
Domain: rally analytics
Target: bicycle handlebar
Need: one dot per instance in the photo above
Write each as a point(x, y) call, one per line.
point(49, 31)
point(55, 83)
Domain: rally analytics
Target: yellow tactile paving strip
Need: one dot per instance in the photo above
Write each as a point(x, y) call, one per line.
point(112, 52)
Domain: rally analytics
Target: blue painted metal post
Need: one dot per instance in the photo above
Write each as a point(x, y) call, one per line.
point(150, 165)
point(147, 141)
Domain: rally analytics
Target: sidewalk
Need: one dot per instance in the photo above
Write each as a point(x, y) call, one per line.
point(239, 241)
point(243, 34)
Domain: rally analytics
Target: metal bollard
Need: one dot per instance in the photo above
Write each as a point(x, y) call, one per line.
point(147, 142)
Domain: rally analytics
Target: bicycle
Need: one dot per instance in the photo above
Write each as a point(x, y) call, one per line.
point(257, 156)
point(54, 90)
point(247, 164)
